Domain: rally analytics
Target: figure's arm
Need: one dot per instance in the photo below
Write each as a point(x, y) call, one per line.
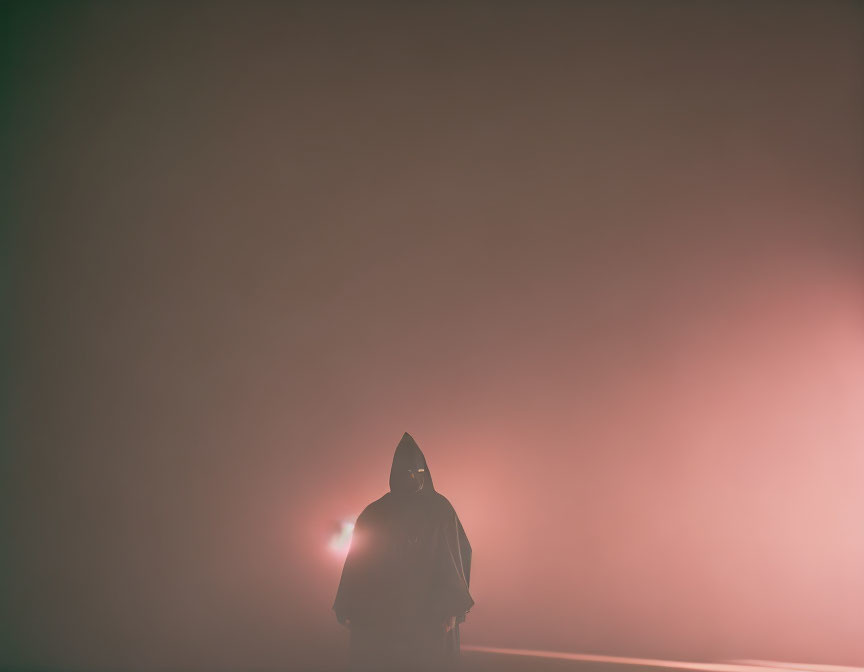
point(452, 595)
point(352, 574)
point(465, 552)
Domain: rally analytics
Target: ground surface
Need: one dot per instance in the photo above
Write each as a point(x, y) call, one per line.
point(476, 661)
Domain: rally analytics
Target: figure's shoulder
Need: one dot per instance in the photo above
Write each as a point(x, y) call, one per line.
point(442, 504)
point(375, 508)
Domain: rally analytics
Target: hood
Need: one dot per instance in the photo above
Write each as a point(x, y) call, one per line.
point(409, 456)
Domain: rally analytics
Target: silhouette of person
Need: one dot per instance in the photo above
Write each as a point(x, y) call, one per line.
point(404, 586)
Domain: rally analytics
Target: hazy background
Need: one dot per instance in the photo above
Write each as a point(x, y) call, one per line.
point(604, 260)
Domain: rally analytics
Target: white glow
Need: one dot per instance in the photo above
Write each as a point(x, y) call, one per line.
point(340, 541)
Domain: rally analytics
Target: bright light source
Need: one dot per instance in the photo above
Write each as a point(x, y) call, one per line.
point(340, 541)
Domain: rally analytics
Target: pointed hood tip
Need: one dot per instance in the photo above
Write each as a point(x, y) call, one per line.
point(408, 452)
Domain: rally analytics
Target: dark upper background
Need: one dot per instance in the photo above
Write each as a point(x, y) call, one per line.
point(603, 260)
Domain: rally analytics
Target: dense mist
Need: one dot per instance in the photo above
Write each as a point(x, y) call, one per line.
point(603, 260)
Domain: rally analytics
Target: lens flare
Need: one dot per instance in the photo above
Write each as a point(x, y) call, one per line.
point(340, 540)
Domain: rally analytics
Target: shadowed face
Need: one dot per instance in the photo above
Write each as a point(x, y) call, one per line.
point(410, 481)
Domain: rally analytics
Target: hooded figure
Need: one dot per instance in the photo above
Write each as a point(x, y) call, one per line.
point(404, 587)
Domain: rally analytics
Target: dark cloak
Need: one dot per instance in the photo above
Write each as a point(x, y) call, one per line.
point(408, 570)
